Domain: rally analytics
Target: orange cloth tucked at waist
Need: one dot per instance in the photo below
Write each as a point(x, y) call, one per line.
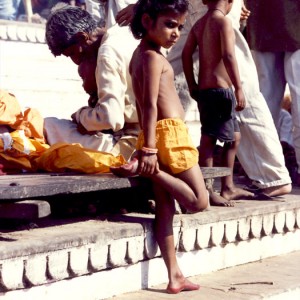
point(176, 150)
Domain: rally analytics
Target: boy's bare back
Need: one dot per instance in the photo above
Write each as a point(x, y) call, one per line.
point(150, 70)
point(213, 34)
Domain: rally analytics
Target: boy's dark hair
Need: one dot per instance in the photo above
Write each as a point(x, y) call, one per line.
point(62, 25)
point(154, 8)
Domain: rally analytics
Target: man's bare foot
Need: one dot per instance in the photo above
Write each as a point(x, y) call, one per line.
point(186, 285)
point(279, 190)
point(217, 200)
point(127, 170)
point(235, 193)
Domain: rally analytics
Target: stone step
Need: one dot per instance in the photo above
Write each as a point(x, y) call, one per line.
point(98, 258)
point(17, 187)
point(27, 209)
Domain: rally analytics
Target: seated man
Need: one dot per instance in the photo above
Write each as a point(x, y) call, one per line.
point(111, 124)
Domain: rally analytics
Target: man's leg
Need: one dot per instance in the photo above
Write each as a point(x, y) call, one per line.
point(272, 83)
point(260, 152)
point(228, 190)
point(292, 73)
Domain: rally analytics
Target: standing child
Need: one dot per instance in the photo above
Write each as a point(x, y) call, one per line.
point(166, 152)
point(214, 36)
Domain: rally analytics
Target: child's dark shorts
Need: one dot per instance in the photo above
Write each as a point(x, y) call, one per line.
point(217, 113)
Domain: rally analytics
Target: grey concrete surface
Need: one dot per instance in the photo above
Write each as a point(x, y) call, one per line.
point(272, 278)
point(27, 209)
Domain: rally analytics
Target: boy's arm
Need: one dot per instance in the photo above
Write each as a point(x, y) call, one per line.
point(230, 62)
point(152, 70)
point(187, 63)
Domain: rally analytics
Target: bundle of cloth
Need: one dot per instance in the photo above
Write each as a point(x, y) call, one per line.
point(23, 147)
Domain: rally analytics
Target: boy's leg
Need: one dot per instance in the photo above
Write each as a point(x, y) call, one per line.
point(180, 190)
point(228, 190)
point(164, 213)
point(206, 149)
point(187, 188)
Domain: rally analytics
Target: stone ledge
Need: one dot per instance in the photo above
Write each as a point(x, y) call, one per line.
point(16, 187)
point(51, 255)
point(22, 31)
point(27, 209)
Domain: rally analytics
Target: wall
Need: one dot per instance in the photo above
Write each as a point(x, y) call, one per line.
point(30, 71)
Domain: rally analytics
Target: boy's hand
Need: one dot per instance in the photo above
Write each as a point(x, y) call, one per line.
point(148, 164)
point(240, 100)
point(194, 92)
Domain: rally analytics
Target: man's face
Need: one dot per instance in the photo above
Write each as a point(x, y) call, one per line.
point(86, 70)
point(75, 52)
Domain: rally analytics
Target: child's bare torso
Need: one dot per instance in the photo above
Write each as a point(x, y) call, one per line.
point(212, 72)
point(168, 102)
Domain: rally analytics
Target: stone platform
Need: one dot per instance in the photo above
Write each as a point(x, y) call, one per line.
point(107, 255)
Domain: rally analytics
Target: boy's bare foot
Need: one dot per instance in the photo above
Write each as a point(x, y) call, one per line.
point(235, 193)
point(279, 190)
point(186, 285)
point(217, 200)
point(127, 170)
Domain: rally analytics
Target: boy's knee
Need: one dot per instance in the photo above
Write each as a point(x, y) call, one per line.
point(201, 204)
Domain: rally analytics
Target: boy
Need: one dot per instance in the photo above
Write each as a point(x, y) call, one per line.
point(166, 153)
point(214, 36)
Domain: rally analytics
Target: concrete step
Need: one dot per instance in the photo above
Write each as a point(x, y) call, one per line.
point(113, 254)
point(26, 209)
point(276, 278)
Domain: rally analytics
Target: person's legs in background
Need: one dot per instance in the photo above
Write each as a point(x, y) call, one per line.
point(292, 75)
point(272, 82)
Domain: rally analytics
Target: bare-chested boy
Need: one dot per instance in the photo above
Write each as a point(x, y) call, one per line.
point(214, 36)
point(166, 152)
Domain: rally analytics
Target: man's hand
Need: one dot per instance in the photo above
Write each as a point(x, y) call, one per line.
point(124, 16)
point(82, 130)
point(245, 13)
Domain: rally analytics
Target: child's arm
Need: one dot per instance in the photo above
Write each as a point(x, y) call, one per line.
point(187, 63)
point(152, 70)
point(229, 59)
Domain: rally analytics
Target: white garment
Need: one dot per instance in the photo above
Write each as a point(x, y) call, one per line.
point(114, 6)
point(260, 151)
point(275, 70)
point(106, 11)
point(116, 103)
point(62, 130)
point(96, 9)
